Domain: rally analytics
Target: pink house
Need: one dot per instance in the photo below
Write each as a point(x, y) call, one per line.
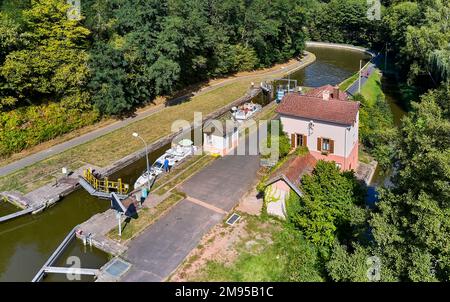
point(325, 121)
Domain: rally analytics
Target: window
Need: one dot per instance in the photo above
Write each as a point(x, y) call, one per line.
point(299, 139)
point(326, 144)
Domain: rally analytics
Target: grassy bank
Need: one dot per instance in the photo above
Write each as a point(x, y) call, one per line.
point(372, 88)
point(113, 146)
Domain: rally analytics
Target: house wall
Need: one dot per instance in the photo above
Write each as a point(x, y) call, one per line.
point(345, 140)
point(220, 144)
point(275, 195)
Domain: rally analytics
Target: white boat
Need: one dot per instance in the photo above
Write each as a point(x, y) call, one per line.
point(245, 111)
point(175, 155)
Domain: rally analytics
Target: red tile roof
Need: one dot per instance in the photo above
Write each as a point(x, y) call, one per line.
point(294, 169)
point(299, 166)
point(316, 108)
point(334, 91)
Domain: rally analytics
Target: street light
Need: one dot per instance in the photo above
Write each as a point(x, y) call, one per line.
point(135, 134)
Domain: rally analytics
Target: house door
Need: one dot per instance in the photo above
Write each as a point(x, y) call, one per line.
point(299, 140)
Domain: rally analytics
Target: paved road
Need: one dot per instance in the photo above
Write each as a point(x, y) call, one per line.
point(36, 157)
point(162, 247)
point(223, 183)
point(211, 194)
point(353, 89)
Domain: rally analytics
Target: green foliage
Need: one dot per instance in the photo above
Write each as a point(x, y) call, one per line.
point(302, 261)
point(27, 126)
point(348, 267)
point(52, 61)
point(396, 21)
point(376, 127)
point(412, 224)
point(173, 43)
point(343, 21)
point(429, 42)
point(279, 138)
point(330, 207)
point(42, 57)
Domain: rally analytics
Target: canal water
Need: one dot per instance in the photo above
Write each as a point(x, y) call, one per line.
point(27, 242)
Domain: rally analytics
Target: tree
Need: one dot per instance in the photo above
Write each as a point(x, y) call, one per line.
point(430, 43)
point(348, 267)
point(52, 59)
point(331, 206)
point(412, 223)
point(343, 21)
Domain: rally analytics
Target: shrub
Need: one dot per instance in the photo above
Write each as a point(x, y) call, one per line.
point(28, 126)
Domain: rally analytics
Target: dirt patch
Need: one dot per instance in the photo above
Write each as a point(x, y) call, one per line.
point(251, 203)
point(223, 244)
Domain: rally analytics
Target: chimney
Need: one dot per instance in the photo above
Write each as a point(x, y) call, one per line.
point(326, 95)
point(336, 92)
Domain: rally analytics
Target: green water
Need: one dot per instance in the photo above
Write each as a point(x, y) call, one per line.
point(27, 242)
point(332, 66)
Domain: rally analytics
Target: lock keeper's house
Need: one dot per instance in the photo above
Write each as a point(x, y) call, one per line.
point(324, 120)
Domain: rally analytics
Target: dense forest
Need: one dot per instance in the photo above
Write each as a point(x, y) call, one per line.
point(59, 74)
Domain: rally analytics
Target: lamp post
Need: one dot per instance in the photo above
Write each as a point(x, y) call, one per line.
point(359, 77)
point(135, 134)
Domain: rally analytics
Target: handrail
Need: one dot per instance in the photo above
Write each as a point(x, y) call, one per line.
point(105, 185)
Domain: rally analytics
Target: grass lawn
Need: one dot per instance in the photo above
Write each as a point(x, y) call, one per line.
point(255, 249)
point(372, 88)
point(363, 156)
point(147, 216)
point(258, 258)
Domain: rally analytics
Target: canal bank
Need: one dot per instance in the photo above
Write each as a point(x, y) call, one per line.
point(334, 66)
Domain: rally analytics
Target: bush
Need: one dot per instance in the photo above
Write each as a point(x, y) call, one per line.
point(28, 126)
point(377, 130)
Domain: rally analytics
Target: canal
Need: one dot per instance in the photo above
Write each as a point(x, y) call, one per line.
point(27, 242)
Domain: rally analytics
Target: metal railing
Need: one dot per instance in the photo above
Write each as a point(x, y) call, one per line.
point(105, 185)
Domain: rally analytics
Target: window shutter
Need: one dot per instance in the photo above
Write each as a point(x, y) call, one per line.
point(319, 144)
point(331, 146)
point(293, 140)
point(304, 141)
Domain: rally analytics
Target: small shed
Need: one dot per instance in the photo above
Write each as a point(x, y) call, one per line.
point(284, 180)
point(219, 138)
